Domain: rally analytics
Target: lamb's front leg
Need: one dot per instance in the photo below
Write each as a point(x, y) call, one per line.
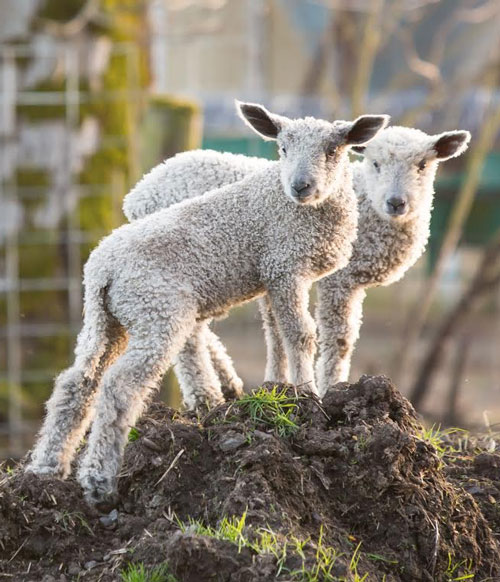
point(289, 302)
point(339, 316)
point(276, 360)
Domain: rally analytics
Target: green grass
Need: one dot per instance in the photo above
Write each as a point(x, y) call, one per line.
point(273, 408)
point(69, 519)
point(139, 573)
point(438, 439)
point(266, 542)
point(133, 435)
point(457, 571)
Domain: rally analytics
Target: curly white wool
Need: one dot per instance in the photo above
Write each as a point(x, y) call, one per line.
point(151, 286)
point(398, 163)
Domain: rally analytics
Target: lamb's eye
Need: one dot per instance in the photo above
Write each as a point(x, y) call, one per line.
point(421, 165)
point(376, 165)
point(283, 150)
point(331, 151)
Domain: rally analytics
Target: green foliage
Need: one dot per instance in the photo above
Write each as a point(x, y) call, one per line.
point(273, 408)
point(439, 439)
point(457, 571)
point(263, 541)
point(29, 176)
point(170, 125)
point(139, 573)
point(69, 519)
point(60, 11)
point(133, 435)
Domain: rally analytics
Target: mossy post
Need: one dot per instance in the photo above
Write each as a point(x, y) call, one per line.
point(171, 125)
point(86, 199)
point(134, 132)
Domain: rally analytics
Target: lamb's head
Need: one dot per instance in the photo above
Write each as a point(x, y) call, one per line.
point(313, 152)
point(400, 165)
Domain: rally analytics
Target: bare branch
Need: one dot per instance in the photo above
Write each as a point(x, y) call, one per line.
point(479, 14)
point(486, 279)
point(423, 68)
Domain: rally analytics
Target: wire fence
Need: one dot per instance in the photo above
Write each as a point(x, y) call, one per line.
point(59, 147)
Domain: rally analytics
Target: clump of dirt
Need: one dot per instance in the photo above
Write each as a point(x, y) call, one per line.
point(309, 490)
point(473, 464)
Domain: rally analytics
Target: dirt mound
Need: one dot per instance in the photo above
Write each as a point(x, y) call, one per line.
point(277, 486)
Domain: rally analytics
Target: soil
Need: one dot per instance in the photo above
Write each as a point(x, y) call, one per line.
point(354, 480)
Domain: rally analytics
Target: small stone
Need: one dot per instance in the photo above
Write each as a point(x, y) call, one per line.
point(89, 565)
point(73, 569)
point(157, 501)
point(262, 435)
point(109, 520)
point(151, 444)
point(48, 578)
point(474, 490)
point(232, 443)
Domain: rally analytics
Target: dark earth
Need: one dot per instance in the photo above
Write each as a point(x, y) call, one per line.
point(350, 489)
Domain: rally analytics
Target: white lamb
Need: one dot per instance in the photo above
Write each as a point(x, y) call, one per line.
point(157, 281)
point(394, 186)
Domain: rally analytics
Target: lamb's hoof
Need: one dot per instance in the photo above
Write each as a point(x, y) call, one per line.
point(99, 492)
point(232, 391)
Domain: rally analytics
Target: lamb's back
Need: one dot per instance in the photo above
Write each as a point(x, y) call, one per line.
point(188, 175)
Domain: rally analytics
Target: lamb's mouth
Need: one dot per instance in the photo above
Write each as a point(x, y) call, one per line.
point(396, 212)
point(309, 198)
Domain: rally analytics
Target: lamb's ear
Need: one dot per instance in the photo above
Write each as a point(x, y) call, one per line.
point(266, 124)
point(451, 144)
point(358, 150)
point(364, 128)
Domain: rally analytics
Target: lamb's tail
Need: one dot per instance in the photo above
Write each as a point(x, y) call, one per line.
point(94, 336)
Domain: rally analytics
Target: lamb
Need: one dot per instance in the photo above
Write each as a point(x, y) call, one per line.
point(394, 186)
point(154, 283)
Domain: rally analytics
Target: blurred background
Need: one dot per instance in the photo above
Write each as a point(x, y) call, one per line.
point(93, 93)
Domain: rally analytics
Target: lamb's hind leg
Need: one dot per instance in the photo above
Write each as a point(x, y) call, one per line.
point(69, 409)
point(122, 396)
point(199, 382)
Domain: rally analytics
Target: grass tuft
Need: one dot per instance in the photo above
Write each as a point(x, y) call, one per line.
point(440, 439)
point(266, 542)
point(274, 408)
point(133, 435)
point(458, 571)
point(139, 573)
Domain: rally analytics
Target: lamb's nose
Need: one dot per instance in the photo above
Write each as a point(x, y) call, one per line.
point(396, 203)
point(301, 186)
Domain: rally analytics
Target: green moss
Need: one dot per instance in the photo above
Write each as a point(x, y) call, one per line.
point(30, 176)
point(39, 261)
point(29, 407)
point(54, 349)
point(170, 125)
point(44, 305)
point(51, 111)
point(60, 11)
point(96, 213)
